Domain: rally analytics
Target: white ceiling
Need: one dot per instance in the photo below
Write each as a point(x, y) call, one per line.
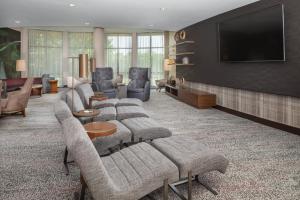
point(137, 14)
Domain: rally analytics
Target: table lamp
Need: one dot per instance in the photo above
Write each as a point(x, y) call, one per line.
point(20, 66)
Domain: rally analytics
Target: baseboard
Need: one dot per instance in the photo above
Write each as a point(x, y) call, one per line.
point(266, 122)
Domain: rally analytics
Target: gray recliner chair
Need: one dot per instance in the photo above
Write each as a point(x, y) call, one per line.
point(102, 81)
point(139, 85)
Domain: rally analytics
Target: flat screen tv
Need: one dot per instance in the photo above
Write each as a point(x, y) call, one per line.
point(254, 37)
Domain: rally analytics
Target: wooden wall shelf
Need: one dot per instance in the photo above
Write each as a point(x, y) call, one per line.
point(181, 64)
point(183, 53)
point(184, 42)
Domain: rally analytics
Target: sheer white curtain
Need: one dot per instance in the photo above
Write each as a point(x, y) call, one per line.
point(45, 53)
point(151, 54)
point(118, 54)
point(79, 43)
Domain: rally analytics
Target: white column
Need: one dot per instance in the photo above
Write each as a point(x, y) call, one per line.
point(65, 65)
point(134, 50)
point(99, 40)
point(24, 49)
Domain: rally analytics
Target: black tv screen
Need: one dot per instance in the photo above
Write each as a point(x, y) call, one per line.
point(254, 37)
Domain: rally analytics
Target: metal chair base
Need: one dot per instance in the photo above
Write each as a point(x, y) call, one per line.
point(189, 181)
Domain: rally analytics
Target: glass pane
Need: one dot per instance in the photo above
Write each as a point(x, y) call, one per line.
point(157, 41)
point(37, 38)
point(112, 59)
point(125, 41)
point(143, 41)
point(143, 59)
point(157, 71)
point(124, 63)
point(54, 39)
point(112, 41)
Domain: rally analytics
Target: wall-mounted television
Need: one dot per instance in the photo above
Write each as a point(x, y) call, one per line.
point(254, 37)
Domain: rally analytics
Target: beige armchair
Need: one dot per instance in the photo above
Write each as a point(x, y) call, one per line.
point(17, 101)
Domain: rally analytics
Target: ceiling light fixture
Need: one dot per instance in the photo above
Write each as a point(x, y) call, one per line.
point(87, 23)
point(72, 5)
point(162, 9)
point(150, 25)
point(17, 22)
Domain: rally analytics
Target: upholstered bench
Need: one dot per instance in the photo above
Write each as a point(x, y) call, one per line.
point(129, 102)
point(192, 159)
point(126, 112)
point(144, 128)
point(121, 136)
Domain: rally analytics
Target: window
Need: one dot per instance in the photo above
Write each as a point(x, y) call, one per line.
point(79, 43)
point(45, 53)
point(151, 54)
point(118, 54)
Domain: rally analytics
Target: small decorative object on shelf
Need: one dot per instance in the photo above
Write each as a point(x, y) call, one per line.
point(176, 37)
point(182, 35)
point(185, 60)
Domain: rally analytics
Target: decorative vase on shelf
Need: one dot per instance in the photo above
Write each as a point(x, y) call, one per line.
point(185, 60)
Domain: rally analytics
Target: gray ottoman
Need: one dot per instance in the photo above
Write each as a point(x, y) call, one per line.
point(103, 144)
point(192, 159)
point(105, 103)
point(129, 102)
point(144, 128)
point(126, 112)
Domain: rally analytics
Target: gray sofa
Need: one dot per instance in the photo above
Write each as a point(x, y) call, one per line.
point(129, 174)
point(102, 81)
point(139, 85)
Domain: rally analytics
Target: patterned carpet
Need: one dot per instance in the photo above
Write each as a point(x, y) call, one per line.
point(264, 162)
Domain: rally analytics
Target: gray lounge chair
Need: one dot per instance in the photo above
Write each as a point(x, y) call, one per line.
point(128, 174)
point(85, 91)
point(106, 114)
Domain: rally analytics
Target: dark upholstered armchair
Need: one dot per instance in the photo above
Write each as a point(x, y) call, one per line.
point(45, 82)
point(103, 81)
point(139, 84)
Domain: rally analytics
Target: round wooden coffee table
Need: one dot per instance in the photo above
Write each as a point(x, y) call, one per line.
point(87, 113)
point(100, 129)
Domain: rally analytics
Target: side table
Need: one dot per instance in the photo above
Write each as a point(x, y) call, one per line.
point(96, 98)
point(36, 89)
point(87, 113)
point(100, 129)
point(53, 86)
point(121, 90)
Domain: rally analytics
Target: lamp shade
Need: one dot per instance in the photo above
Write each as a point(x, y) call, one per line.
point(167, 66)
point(83, 65)
point(20, 66)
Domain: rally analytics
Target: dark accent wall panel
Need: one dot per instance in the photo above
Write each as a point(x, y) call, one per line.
point(282, 78)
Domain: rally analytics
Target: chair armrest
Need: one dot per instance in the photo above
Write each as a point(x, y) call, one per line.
point(17, 101)
point(95, 86)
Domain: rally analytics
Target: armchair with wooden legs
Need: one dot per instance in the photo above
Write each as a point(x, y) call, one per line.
point(17, 101)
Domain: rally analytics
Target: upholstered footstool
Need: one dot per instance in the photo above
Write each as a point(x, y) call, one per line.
point(126, 112)
point(192, 159)
point(144, 128)
point(105, 103)
point(129, 102)
point(120, 137)
point(106, 114)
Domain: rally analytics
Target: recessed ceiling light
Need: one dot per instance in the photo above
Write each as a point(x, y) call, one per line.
point(162, 9)
point(72, 5)
point(150, 25)
point(17, 22)
point(87, 23)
